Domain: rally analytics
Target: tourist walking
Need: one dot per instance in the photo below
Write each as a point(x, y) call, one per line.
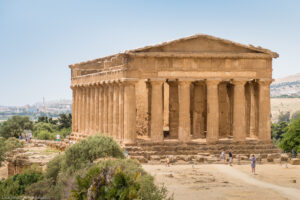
point(253, 163)
point(222, 156)
point(58, 138)
point(230, 157)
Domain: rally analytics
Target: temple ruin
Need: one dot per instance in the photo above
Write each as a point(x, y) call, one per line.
point(199, 88)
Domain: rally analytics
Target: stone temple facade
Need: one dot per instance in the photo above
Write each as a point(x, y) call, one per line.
point(198, 88)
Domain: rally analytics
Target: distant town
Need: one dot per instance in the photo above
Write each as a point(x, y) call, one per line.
point(44, 108)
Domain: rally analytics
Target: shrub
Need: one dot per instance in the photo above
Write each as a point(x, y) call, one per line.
point(291, 139)
point(14, 126)
point(16, 185)
point(86, 151)
point(117, 179)
point(7, 146)
point(45, 135)
point(44, 189)
point(43, 126)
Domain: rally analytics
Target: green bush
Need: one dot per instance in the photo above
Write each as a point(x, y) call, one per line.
point(7, 146)
point(291, 139)
point(117, 179)
point(45, 135)
point(15, 126)
point(44, 189)
point(17, 184)
point(43, 126)
point(86, 151)
point(65, 132)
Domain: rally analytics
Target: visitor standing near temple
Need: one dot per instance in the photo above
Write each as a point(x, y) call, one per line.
point(230, 157)
point(253, 163)
point(57, 137)
point(223, 156)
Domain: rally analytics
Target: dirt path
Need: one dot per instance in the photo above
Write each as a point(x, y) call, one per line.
point(216, 182)
point(291, 193)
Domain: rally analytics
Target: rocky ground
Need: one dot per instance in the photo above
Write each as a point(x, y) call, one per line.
point(220, 181)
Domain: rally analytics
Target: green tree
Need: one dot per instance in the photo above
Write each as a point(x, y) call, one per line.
point(295, 115)
point(284, 117)
point(14, 126)
point(291, 139)
point(277, 129)
point(7, 145)
point(65, 121)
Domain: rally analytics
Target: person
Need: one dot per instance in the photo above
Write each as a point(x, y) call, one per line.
point(223, 156)
point(168, 161)
point(253, 163)
point(57, 137)
point(230, 157)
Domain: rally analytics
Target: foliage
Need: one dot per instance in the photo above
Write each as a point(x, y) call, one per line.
point(17, 184)
point(7, 146)
point(45, 135)
point(14, 126)
point(277, 129)
point(291, 139)
point(284, 117)
point(117, 179)
point(295, 115)
point(65, 132)
point(54, 167)
point(43, 126)
point(44, 189)
point(65, 121)
point(47, 119)
point(86, 151)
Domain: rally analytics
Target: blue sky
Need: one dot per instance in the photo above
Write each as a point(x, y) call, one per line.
point(40, 38)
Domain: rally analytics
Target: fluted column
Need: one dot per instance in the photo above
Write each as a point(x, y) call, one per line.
point(184, 130)
point(264, 128)
point(87, 110)
point(129, 112)
point(80, 110)
point(92, 110)
point(101, 109)
point(198, 109)
point(96, 111)
point(110, 108)
point(212, 110)
point(253, 112)
point(156, 134)
point(121, 112)
point(173, 109)
point(73, 109)
point(239, 110)
point(105, 109)
point(115, 110)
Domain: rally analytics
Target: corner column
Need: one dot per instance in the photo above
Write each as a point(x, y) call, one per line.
point(156, 111)
point(264, 106)
point(129, 112)
point(184, 129)
point(212, 110)
point(239, 110)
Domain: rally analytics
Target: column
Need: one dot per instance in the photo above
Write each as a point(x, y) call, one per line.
point(253, 111)
point(101, 109)
point(212, 110)
point(157, 119)
point(96, 111)
point(184, 129)
point(129, 112)
point(105, 108)
point(87, 110)
point(121, 112)
point(116, 110)
point(73, 109)
point(92, 110)
point(79, 119)
point(173, 108)
point(239, 110)
point(264, 106)
point(199, 106)
point(110, 109)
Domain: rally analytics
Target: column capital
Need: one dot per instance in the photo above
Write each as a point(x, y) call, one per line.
point(212, 81)
point(265, 81)
point(199, 83)
point(184, 82)
point(157, 81)
point(129, 81)
point(241, 82)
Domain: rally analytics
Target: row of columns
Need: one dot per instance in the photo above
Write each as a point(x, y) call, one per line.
point(212, 135)
point(108, 108)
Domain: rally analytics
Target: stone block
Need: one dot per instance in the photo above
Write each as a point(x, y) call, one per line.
point(295, 161)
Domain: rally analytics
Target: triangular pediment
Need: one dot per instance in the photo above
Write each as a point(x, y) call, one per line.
point(204, 44)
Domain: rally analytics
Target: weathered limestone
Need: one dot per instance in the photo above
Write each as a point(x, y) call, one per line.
point(239, 108)
point(212, 110)
point(198, 88)
point(156, 111)
point(184, 131)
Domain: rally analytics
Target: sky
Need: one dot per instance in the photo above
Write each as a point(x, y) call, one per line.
point(40, 38)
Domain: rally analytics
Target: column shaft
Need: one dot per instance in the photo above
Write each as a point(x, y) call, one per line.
point(116, 111)
point(105, 109)
point(129, 112)
point(96, 112)
point(121, 112)
point(92, 110)
point(239, 110)
point(110, 109)
point(253, 112)
point(184, 131)
point(264, 129)
point(73, 109)
point(212, 111)
point(156, 111)
point(173, 109)
point(101, 109)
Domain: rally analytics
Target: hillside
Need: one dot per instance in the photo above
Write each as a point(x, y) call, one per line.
point(288, 86)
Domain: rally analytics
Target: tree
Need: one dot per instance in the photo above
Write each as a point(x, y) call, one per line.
point(65, 121)
point(284, 117)
point(295, 114)
point(14, 126)
point(291, 139)
point(277, 129)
